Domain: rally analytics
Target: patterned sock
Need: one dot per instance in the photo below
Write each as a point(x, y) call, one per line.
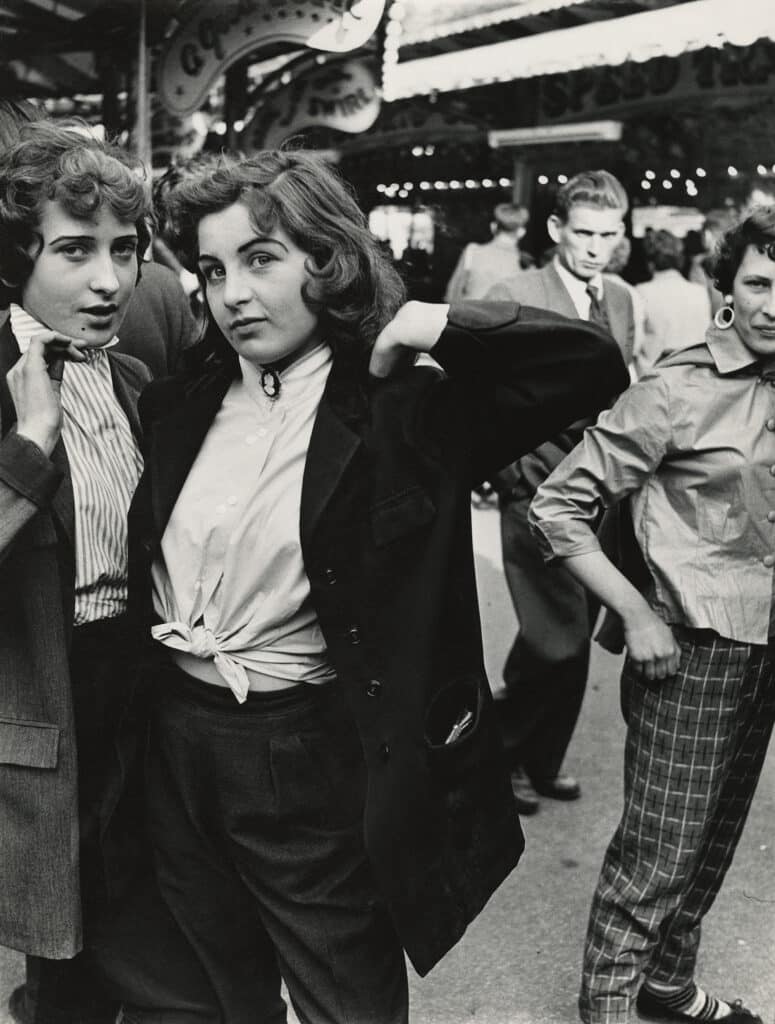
point(691, 1000)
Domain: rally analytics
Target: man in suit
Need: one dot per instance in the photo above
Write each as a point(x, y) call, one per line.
point(546, 670)
point(73, 219)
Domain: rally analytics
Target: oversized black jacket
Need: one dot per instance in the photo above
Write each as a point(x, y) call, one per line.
point(386, 542)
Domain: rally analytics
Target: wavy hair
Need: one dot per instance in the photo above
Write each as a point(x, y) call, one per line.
point(758, 229)
point(591, 188)
point(61, 163)
point(353, 287)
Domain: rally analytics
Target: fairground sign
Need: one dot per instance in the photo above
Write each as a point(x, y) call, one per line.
point(341, 95)
point(214, 34)
point(731, 72)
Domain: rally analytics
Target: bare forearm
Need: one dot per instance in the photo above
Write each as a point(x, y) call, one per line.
point(650, 642)
point(601, 577)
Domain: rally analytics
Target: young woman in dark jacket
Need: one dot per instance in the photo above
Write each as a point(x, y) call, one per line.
point(325, 783)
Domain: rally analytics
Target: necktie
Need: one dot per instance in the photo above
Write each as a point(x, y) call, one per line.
point(597, 310)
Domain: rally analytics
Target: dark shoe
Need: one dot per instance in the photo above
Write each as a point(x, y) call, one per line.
point(561, 787)
point(650, 1008)
point(524, 794)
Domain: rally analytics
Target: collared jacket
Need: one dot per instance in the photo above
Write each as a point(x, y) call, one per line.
point(386, 542)
point(40, 907)
point(692, 447)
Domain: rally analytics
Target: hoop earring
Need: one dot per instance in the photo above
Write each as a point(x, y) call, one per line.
point(724, 317)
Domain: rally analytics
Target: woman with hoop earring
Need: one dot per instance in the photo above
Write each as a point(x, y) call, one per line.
point(692, 446)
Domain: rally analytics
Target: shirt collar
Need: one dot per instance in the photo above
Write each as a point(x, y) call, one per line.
point(301, 376)
point(25, 326)
point(577, 287)
point(728, 350)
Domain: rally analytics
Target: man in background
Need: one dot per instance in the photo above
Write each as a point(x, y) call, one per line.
point(480, 265)
point(546, 671)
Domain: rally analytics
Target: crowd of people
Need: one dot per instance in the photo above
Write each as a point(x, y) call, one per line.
point(247, 737)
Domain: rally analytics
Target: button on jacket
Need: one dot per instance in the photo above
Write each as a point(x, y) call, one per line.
point(693, 444)
point(386, 544)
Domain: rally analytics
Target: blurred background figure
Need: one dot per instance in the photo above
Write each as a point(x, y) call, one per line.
point(677, 311)
point(717, 222)
point(481, 265)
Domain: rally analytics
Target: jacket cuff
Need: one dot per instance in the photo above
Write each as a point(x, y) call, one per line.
point(25, 468)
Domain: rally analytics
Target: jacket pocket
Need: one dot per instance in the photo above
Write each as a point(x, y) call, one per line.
point(28, 744)
point(452, 718)
point(400, 514)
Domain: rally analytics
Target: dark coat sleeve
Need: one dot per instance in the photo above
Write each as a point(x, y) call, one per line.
point(517, 376)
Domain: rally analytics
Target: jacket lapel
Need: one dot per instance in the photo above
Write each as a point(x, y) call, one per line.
point(9, 353)
point(127, 385)
point(558, 298)
point(175, 440)
point(62, 506)
point(332, 446)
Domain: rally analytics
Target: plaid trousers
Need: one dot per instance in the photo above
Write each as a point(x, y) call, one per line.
point(694, 751)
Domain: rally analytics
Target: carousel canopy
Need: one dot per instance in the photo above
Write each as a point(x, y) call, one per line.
point(504, 42)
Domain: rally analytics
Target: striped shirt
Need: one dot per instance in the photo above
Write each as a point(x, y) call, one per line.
point(105, 465)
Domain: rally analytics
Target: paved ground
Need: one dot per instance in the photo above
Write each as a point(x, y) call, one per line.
point(518, 963)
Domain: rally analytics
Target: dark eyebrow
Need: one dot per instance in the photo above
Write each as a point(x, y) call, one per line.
point(256, 240)
point(90, 238)
point(72, 238)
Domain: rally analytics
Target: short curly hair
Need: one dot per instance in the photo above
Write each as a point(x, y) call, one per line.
point(757, 229)
point(62, 163)
point(354, 288)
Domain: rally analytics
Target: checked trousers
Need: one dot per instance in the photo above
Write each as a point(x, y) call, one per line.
point(694, 751)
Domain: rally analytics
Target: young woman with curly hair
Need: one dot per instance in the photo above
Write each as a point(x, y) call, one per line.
point(325, 785)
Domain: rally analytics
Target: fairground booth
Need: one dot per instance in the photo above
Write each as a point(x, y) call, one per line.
point(435, 110)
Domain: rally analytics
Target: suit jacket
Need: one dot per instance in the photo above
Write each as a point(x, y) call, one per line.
point(386, 542)
point(543, 287)
point(40, 910)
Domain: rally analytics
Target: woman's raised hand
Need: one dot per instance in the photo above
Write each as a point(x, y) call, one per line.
point(651, 645)
point(34, 382)
point(416, 327)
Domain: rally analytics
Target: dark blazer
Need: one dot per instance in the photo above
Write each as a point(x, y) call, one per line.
point(386, 542)
point(543, 287)
point(40, 909)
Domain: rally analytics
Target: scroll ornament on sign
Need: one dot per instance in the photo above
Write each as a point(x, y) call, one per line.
point(342, 96)
point(214, 34)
